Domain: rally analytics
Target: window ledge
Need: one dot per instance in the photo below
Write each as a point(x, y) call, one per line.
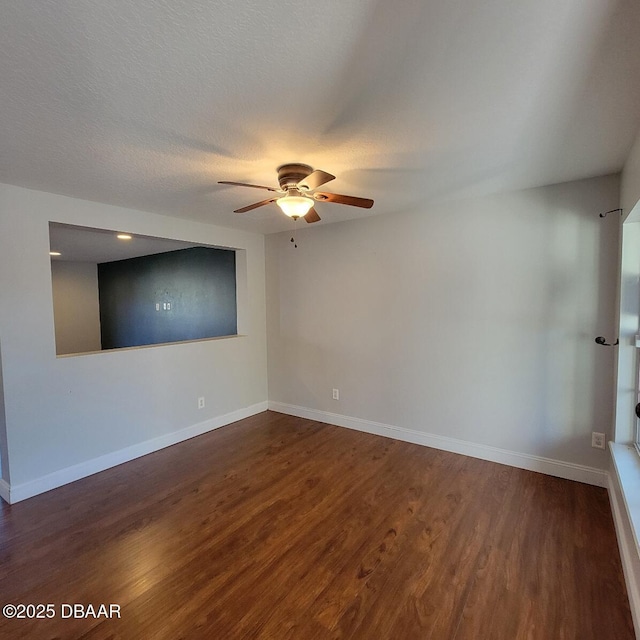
point(626, 462)
point(149, 346)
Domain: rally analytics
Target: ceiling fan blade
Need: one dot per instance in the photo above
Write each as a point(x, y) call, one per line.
point(244, 184)
point(315, 179)
point(312, 215)
point(365, 203)
point(255, 206)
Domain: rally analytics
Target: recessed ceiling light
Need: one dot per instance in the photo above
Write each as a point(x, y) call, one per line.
point(123, 236)
point(54, 253)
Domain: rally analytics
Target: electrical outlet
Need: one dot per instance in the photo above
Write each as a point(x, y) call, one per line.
point(336, 394)
point(597, 440)
point(200, 403)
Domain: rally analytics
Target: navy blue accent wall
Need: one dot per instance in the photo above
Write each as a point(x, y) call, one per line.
point(195, 290)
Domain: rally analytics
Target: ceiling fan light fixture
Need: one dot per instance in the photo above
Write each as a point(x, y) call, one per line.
point(295, 206)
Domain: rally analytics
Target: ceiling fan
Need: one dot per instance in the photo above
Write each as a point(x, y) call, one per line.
point(297, 193)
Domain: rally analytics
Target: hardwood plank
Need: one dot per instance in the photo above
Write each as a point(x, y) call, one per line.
point(280, 527)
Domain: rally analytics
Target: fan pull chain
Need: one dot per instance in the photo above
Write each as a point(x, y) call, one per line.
point(293, 237)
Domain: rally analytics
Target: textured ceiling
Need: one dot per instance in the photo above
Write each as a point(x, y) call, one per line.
point(148, 103)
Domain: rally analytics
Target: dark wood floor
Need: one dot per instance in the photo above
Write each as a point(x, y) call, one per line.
point(282, 528)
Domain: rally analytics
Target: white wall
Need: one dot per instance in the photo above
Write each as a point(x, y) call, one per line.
point(4, 462)
point(472, 320)
point(63, 413)
point(630, 182)
point(76, 306)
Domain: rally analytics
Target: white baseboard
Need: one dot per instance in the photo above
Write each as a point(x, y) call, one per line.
point(628, 549)
point(15, 493)
point(558, 468)
point(5, 490)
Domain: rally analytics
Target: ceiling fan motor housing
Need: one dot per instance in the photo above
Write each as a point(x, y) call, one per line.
point(289, 175)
